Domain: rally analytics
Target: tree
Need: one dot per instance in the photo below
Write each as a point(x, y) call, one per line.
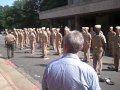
point(24, 13)
point(1, 17)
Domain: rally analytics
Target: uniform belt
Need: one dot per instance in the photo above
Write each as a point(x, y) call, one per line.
point(10, 42)
point(97, 47)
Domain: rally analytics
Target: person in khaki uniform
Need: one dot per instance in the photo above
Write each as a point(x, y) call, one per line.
point(16, 36)
point(40, 38)
point(53, 35)
point(44, 43)
point(25, 37)
point(110, 37)
point(117, 48)
point(66, 30)
point(21, 38)
point(37, 37)
point(10, 40)
point(32, 39)
point(99, 45)
point(49, 35)
point(58, 41)
point(83, 31)
point(87, 44)
point(92, 32)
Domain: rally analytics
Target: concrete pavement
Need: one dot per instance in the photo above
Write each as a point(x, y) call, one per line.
point(11, 79)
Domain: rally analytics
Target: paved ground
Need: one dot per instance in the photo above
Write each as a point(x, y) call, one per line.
point(12, 79)
point(33, 65)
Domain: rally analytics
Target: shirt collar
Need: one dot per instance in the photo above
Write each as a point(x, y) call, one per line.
point(70, 55)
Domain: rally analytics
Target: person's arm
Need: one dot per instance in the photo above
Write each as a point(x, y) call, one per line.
point(5, 40)
point(90, 39)
point(104, 44)
point(94, 82)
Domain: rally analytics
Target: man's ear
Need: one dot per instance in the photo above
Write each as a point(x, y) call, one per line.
point(65, 48)
point(81, 48)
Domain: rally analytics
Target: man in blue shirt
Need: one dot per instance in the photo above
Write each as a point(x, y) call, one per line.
point(68, 72)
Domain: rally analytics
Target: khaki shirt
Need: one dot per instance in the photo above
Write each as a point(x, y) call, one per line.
point(44, 38)
point(110, 36)
point(98, 41)
point(117, 41)
point(32, 37)
point(58, 38)
point(10, 38)
point(87, 39)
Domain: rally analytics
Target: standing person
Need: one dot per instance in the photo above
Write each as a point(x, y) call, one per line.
point(117, 48)
point(58, 41)
point(32, 41)
point(16, 36)
point(87, 44)
point(83, 31)
point(25, 37)
point(110, 36)
point(44, 43)
point(21, 38)
point(66, 30)
point(49, 35)
point(69, 72)
point(40, 37)
point(92, 32)
point(10, 41)
point(53, 35)
point(99, 45)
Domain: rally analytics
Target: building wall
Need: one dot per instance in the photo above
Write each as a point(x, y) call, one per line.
point(86, 8)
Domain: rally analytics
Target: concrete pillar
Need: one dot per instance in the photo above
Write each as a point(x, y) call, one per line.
point(77, 25)
point(50, 23)
point(70, 23)
point(104, 21)
point(70, 2)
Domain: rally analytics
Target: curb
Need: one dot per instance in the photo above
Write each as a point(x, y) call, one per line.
point(14, 77)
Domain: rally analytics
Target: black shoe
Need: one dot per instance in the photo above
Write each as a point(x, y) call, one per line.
point(43, 56)
point(101, 79)
point(116, 70)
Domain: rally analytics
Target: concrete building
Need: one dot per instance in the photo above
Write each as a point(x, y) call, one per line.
point(80, 13)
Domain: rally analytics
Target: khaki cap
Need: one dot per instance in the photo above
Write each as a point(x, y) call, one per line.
point(98, 26)
point(117, 27)
point(43, 28)
point(111, 27)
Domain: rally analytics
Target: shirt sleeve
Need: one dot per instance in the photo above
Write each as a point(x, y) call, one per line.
point(44, 83)
point(103, 39)
point(95, 82)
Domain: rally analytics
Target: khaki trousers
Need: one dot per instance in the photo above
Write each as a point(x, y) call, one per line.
point(97, 61)
point(116, 58)
point(44, 49)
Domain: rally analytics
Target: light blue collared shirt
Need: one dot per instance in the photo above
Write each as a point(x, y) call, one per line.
point(69, 73)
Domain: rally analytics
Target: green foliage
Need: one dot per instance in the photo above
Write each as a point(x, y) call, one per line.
point(22, 14)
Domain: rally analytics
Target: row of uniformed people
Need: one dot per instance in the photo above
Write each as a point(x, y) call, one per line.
point(42, 36)
point(94, 38)
point(97, 40)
